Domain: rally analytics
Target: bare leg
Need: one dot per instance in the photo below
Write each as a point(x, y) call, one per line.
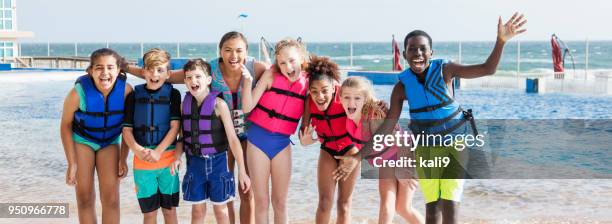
point(107, 169)
point(281, 175)
point(449, 211)
point(85, 192)
point(170, 216)
point(387, 188)
point(150, 217)
point(198, 213)
point(259, 173)
point(403, 204)
point(326, 186)
point(221, 214)
point(345, 195)
point(247, 204)
point(433, 213)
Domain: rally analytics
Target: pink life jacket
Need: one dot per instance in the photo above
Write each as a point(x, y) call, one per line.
point(360, 135)
point(281, 107)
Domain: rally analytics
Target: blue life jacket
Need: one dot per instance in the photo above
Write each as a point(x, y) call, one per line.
point(101, 121)
point(432, 107)
point(151, 114)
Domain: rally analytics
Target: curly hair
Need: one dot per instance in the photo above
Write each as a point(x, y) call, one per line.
point(323, 68)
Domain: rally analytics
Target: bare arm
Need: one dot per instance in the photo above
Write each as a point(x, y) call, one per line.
point(505, 32)
point(260, 68)
point(250, 97)
point(124, 149)
point(170, 137)
point(71, 105)
point(178, 151)
point(222, 110)
point(175, 76)
point(128, 136)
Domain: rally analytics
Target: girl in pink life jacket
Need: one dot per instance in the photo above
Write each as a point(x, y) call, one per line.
point(325, 115)
point(276, 105)
point(365, 115)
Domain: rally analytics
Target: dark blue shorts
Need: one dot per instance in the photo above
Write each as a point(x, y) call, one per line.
point(208, 179)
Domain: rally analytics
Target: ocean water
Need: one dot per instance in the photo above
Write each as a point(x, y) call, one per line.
point(535, 55)
point(33, 165)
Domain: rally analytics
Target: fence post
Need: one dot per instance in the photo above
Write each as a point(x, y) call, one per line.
point(48, 49)
point(178, 49)
point(586, 59)
point(76, 50)
point(460, 52)
point(518, 57)
point(351, 55)
point(141, 49)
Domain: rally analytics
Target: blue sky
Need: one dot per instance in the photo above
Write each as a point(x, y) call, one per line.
point(314, 20)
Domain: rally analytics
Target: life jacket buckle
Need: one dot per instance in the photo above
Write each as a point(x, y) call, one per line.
point(151, 100)
point(194, 117)
point(271, 113)
point(151, 128)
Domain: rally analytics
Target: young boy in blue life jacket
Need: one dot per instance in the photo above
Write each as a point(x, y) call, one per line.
point(427, 86)
point(150, 128)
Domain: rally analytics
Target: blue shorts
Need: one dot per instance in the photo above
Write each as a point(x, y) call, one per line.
point(208, 179)
point(271, 143)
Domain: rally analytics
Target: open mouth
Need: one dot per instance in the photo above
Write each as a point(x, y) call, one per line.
point(154, 80)
point(194, 87)
point(291, 74)
point(105, 81)
point(321, 103)
point(352, 110)
point(234, 62)
point(419, 62)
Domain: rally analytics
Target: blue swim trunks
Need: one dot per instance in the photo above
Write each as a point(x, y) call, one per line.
point(271, 143)
point(208, 179)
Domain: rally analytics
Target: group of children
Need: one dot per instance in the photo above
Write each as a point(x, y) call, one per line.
point(210, 121)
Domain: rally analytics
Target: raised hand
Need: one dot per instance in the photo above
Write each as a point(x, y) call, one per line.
point(246, 75)
point(306, 136)
point(511, 28)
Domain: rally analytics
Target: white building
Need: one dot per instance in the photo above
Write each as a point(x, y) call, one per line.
point(9, 47)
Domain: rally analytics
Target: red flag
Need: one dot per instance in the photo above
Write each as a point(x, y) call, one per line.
point(397, 65)
point(556, 54)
